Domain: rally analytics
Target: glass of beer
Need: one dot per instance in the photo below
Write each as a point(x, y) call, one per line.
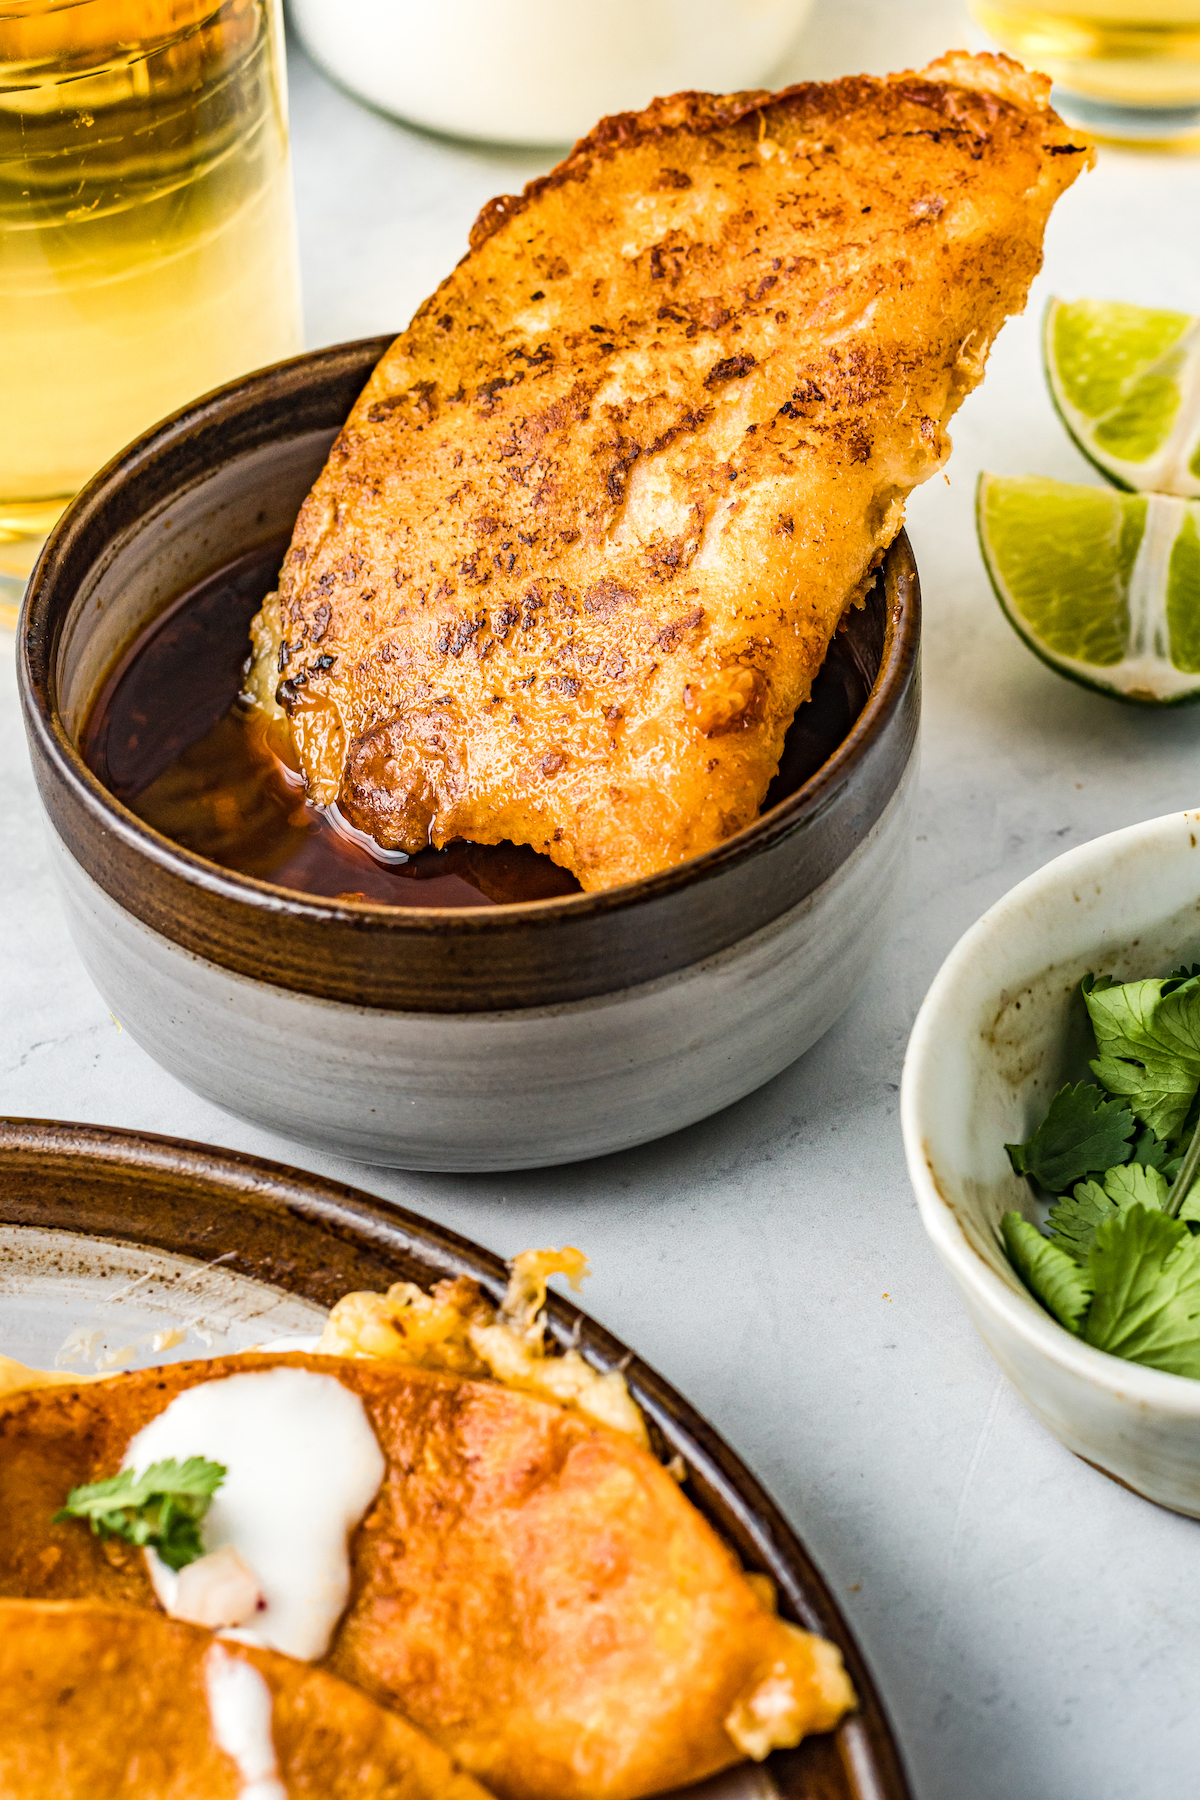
point(147, 234)
point(1128, 70)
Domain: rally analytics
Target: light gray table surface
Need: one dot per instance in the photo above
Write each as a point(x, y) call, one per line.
point(1032, 1626)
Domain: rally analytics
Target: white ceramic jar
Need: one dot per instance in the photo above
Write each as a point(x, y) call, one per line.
point(540, 71)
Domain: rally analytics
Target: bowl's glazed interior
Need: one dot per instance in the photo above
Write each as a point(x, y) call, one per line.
point(251, 499)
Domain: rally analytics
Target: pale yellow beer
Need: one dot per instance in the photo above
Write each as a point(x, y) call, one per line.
point(147, 238)
point(1129, 55)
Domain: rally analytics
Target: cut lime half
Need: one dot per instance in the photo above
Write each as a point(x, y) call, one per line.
point(1104, 586)
point(1126, 382)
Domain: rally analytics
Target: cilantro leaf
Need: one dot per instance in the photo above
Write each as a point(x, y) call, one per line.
point(1145, 1268)
point(1083, 1133)
point(1149, 1042)
point(1076, 1219)
point(1153, 1153)
point(1051, 1276)
point(161, 1508)
point(1135, 1185)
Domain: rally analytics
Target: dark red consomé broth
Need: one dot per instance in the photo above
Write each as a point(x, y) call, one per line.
point(168, 737)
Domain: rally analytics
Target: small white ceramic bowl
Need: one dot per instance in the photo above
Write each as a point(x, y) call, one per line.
point(540, 71)
point(1001, 1029)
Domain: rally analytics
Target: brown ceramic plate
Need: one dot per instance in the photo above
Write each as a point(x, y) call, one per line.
point(111, 1229)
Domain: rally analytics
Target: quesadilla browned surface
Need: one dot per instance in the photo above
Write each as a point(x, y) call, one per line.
point(530, 1589)
point(578, 553)
point(100, 1701)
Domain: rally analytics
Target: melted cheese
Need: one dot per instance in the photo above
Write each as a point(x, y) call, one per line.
point(16, 1377)
point(455, 1329)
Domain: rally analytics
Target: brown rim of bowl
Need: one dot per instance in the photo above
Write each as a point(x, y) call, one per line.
point(442, 960)
point(320, 1239)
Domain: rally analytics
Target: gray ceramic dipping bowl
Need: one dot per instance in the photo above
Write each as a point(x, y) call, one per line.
point(482, 1038)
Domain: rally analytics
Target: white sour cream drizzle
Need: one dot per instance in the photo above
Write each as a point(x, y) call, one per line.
point(303, 1466)
point(240, 1706)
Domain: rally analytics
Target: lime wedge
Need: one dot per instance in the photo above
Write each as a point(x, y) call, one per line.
point(1103, 586)
point(1126, 382)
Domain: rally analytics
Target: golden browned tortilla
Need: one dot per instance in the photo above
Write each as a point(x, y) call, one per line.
point(531, 1589)
point(578, 553)
point(104, 1701)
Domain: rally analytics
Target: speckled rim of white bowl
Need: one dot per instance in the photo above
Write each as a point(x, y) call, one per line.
point(935, 1025)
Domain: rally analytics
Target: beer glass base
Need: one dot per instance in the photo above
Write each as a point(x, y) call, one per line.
point(12, 592)
point(1138, 127)
point(24, 527)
